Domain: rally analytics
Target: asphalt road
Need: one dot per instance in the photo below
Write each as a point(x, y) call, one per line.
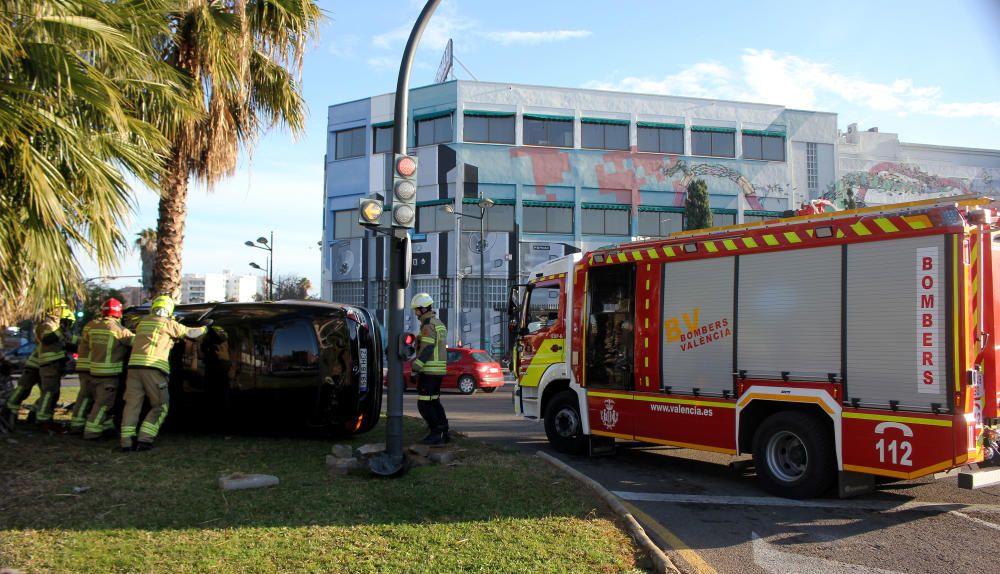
point(710, 516)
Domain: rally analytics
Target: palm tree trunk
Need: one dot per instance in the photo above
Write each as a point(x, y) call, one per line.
point(170, 227)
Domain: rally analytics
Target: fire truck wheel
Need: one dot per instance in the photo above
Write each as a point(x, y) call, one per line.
point(793, 455)
point(563, 425)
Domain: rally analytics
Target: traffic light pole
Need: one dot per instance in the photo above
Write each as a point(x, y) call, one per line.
point(391, 462)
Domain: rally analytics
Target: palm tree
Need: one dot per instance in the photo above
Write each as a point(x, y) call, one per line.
point(146, 245)
point(78, 96)
point(243, 58)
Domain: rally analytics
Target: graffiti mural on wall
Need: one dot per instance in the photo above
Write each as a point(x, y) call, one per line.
point(895, 182)
point(619, 176)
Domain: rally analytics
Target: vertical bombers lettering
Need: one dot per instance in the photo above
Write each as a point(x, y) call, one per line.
point(928, 301)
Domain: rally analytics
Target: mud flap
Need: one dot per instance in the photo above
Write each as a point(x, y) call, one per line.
point(851, 484)
point(601, 445)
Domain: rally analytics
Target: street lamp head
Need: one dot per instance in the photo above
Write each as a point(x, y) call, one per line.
point(262, 240)
point(255, 266)
point(248, 243)
point(486, 203)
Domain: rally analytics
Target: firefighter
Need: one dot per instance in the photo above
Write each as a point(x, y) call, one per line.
point(107, 342)
point(430, 366)
point(149, 372)
point(45, 365)
point(85, 398)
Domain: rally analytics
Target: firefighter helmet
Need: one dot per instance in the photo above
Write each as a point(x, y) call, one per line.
point(421, 300)
point(162, 305)
point(112, 308)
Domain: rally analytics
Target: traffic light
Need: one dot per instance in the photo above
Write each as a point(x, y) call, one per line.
point(79, 314)
point(370, 211)
point(407, 346)
point(404, 191)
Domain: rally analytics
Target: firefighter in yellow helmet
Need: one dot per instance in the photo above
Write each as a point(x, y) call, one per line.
point(103, 346)
point(46, 364)
point(149, 372)
point(430, 366)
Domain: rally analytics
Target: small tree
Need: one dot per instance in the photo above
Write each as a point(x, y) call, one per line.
point(697, 213)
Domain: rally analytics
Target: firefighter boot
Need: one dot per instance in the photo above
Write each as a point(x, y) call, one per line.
point(433, 437)
point(143, 446)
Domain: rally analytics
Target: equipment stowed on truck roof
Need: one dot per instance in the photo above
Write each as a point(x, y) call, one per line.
point(833, 347)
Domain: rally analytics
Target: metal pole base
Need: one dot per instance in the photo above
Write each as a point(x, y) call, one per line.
point(386, 464)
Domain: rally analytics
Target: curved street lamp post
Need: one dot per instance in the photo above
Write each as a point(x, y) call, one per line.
point(266, 245)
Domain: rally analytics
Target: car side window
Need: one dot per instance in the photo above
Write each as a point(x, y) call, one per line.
point(452, 356)
point(294, 348)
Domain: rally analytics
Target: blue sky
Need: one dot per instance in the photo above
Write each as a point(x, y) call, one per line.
point(929, 71)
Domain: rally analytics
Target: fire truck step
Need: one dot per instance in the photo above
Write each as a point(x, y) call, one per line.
point(979, 479)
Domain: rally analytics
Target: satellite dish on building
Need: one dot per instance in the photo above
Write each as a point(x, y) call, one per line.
point(447, 63)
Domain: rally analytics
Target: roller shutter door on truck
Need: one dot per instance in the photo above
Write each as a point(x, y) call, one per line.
point(789, 313)
point(698, 320)
point(896, 323)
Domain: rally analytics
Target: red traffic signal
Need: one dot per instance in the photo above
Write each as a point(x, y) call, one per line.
point(407, 346)
point(406, 165)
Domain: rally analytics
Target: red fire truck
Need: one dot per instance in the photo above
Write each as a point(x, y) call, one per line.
point(833, 347)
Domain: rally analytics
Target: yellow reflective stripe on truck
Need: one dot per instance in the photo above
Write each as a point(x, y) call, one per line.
point(544, 357)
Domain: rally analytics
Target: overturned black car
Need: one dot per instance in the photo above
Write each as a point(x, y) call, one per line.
point(276, 367)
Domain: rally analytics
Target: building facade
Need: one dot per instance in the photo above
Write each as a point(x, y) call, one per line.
point(565, 170)
point(215, 287)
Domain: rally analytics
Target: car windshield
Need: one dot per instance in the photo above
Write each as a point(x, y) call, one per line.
point(482, 357)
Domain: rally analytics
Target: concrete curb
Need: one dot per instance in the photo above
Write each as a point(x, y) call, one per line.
point(661, 561)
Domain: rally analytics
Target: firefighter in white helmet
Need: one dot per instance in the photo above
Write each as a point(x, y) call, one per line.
point(430, 366)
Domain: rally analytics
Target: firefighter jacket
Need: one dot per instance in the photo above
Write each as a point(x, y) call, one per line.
point(154, 337)
point(431, 353)
point(83, 351)
point(107, 344)
point(51, 342)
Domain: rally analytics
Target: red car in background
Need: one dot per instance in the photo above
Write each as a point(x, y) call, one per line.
point(468, 370)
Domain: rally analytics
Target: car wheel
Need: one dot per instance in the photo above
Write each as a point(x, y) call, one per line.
point(563, 424)
point(489, 389)
point(466, 385)
point(793, 455)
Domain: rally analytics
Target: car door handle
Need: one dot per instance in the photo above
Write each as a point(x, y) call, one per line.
point(556, 348)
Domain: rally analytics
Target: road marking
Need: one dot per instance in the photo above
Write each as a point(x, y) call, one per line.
point(978, 521)
point(875, 505)
point(676, 544)
point(775, 561)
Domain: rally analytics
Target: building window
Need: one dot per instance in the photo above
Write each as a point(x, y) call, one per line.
point(661, 139)
point(723, 219)
point(435, 130)
point(761, 145)
point(715, 142)
point(597, 221)
point(345, 224)
point(548, 131)
point(812, 169)
point(546, 219)
point(660, 223)
point(500, 217)
point(604, 134)
point(350, 143)
point(431, 218)
point(348, 292)
point(488, 128)
point(382, 138)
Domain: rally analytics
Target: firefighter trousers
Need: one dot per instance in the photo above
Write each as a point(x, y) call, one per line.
point(141, 384)
point(29, 378)
point(101, 416)
point(49, 378)
point(84, 400)
point(429, 402)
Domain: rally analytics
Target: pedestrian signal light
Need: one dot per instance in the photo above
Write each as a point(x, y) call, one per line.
point(79, 314)
point(404, 191)
point(407, 346)
point(369, 211)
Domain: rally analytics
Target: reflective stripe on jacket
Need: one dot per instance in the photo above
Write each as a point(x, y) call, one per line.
point(431, 352)
point(154, 337)
point(49, 352)
point(108, 345)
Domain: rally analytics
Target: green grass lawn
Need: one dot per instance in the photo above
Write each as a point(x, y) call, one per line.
point(491, 511)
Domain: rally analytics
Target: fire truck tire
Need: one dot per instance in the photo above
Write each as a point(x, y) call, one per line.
point(563, 424)
point(793, 455)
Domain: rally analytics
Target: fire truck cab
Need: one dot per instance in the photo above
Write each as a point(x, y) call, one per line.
point(833, 347)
